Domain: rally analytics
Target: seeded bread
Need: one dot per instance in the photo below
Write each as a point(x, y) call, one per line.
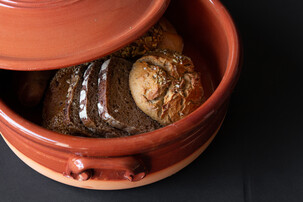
point(88, 104)
point(170, 40)
point(162, 35)
point(165, 86)
point(61, 103)
point(115, 104)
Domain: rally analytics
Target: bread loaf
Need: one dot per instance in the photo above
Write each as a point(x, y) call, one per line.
point(165, 86)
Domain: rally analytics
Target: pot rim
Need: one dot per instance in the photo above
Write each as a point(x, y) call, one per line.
point(147, 141)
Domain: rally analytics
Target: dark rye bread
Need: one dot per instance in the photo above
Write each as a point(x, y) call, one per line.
point(61, 104)
point(88, 104)
point(116, 105)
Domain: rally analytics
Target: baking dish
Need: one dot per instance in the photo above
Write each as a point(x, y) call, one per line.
point(211, 41)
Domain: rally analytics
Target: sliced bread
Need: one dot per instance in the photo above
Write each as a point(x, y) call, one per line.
point(115, 104)
point(88, 104)
point(61, 104)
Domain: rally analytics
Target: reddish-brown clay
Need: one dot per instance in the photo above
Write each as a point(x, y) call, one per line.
point(40, 35)
point(211, 41)
point(131, 167)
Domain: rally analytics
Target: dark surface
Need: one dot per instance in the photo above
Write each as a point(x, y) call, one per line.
point(258, 153)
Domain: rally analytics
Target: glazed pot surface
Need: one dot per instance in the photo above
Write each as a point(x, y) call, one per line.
point(43, 35)
point(214, 49)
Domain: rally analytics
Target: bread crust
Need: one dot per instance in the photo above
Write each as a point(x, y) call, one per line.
point(84, 101)
point(165, 86)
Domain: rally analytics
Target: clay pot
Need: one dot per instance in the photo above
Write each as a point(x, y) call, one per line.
point(211, 41)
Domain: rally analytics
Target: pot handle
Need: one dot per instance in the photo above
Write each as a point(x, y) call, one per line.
point(81, 168)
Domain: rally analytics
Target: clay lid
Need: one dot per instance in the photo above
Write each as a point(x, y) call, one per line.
point(45, 34)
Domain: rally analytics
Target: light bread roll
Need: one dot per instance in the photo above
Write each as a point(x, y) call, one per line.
point(165, 86)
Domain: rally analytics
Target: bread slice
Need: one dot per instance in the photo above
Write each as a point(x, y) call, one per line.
point(116, 105)
point(61, 104)
point(88, 104)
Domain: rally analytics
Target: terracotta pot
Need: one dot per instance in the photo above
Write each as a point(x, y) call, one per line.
point(211, 41)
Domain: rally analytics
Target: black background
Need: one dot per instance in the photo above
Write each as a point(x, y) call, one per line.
point(258, 153)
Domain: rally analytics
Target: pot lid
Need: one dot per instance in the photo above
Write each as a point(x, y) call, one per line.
point(51, 34)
